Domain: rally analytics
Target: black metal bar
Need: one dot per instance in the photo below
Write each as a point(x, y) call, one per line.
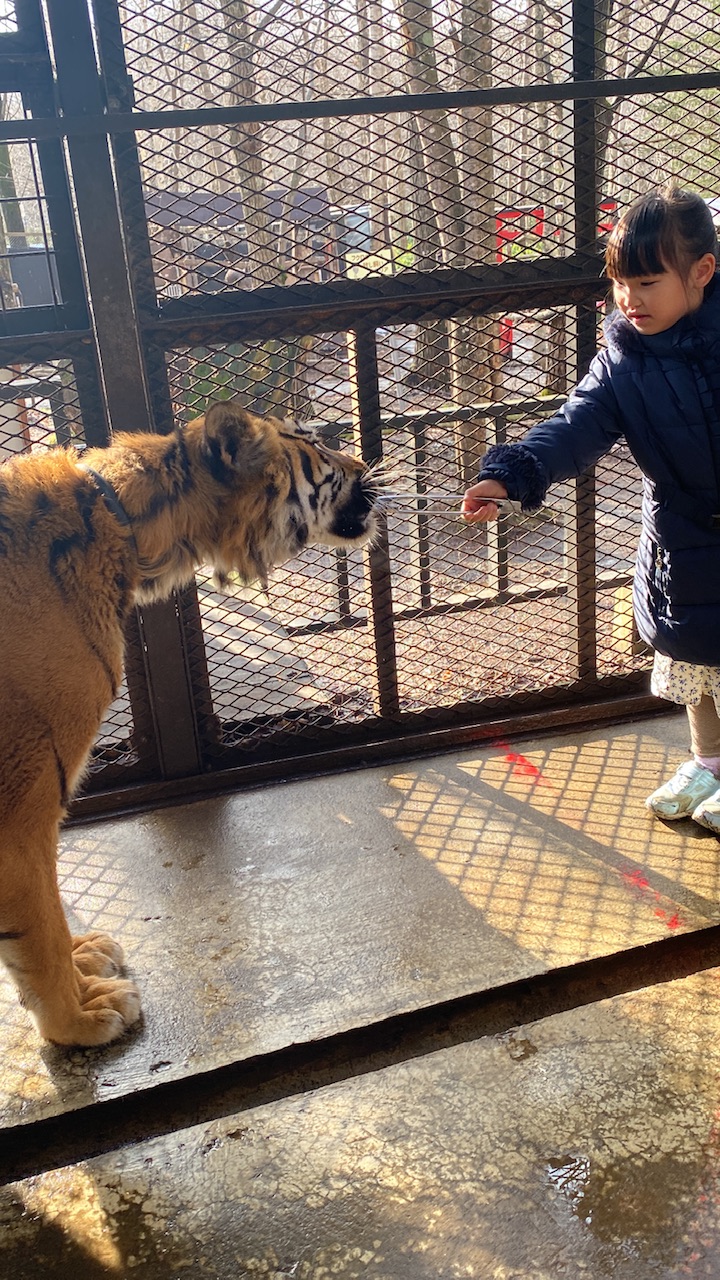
point(545, 712)
point(294, 310)
point(93, 411)
point(208, 728)
point(173, 709)
point(498, 536)
point(120, 357)
point(607, 581)
point(332, 432)
point(393, 104)
point(506, 409)
point(586, 575)
point(368, 399)
point(38, 98)
point(114, 320)
point(197, 724)
point(34, 347)
point(420, 450)
point(73, 313)
point(584, 130)
point(342, 578)
point(36, 322)
point(119, 95)
point(585, 162)
point(515, 595)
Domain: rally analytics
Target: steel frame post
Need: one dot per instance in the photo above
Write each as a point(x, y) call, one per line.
point(119, 353)
point(186, 615)
point(585, 180)
point(368, 403)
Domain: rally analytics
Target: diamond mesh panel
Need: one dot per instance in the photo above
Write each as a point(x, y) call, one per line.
point(336, 198)
point(519, 576)
point(304, 656)
point(225, 53)
point(478, 613)
point(39, 408)
point(298, 660)
point(654, 137)
point(474, 606)
point(236, 51)
point(316, 199)
point(304, 378)
point(28, 274)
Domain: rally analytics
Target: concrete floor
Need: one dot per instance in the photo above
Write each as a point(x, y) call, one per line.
point(575, 1132)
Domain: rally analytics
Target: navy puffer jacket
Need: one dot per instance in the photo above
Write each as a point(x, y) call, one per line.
point(662, 394)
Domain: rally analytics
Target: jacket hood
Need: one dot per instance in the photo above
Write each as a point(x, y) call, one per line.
point(693, 332)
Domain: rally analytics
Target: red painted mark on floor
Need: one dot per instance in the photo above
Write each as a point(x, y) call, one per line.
point(638, 881)
point(521, 766)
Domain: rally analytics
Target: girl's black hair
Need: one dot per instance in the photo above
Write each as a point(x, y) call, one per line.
point(667, 228)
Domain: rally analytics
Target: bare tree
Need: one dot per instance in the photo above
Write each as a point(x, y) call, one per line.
point(246, 141)
point(632, 34)
point(473, 342)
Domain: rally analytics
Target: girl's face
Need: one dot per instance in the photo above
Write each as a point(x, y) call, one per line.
point(654, 303)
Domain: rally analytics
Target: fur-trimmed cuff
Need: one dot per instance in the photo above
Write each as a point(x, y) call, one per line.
point(519, 470)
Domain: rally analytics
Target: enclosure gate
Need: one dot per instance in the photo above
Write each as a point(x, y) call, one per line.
point(386, 218)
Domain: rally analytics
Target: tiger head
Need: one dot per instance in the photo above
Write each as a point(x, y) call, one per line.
point(240, 493)
point(285, 484)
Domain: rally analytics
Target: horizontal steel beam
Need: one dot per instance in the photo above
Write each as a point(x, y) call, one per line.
point(391, 104)
point(34, 348)
point(415, 734)
point(402, 299)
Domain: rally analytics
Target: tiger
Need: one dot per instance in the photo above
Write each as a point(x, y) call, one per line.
point(85, 536)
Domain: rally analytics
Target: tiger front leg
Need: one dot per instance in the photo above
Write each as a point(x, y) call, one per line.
point(68, 985)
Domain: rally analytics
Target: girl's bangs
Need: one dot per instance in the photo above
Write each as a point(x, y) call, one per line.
point(635, 247)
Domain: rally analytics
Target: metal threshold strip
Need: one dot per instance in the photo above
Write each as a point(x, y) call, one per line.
point(150, 1112)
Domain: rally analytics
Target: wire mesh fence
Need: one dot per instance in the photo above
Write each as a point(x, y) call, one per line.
point(477, 614)
point(386, 218)
point(328, 196)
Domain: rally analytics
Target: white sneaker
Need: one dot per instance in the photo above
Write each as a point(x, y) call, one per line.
point(683, 794)
point(708, 812)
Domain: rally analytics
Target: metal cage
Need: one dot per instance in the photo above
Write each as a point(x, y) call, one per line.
point(386, 218)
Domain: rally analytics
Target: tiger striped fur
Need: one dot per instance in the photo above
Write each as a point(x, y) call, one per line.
point(82, 539)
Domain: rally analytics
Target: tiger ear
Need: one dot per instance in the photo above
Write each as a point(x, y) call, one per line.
point(234, 441)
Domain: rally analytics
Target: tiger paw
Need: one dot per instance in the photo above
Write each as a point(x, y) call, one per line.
point(106, 1009)
point(97, 955)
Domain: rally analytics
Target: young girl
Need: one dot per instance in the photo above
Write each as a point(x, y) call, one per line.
point(658, 385)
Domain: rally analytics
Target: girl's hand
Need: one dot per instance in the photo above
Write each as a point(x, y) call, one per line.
point(478, 505)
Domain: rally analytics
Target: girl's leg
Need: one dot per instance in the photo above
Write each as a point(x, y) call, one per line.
point(705, 740)
point(705, 734)
point(696, 779)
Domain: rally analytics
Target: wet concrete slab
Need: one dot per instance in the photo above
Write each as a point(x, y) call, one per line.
point(287, 914)
point(586, 1144)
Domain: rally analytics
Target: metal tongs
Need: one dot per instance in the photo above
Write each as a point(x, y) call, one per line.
point(387, 499)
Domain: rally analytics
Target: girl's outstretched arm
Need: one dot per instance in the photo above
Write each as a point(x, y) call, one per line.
point(586, 427)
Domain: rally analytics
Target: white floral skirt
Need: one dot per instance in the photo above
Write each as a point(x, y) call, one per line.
point(684, 682)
